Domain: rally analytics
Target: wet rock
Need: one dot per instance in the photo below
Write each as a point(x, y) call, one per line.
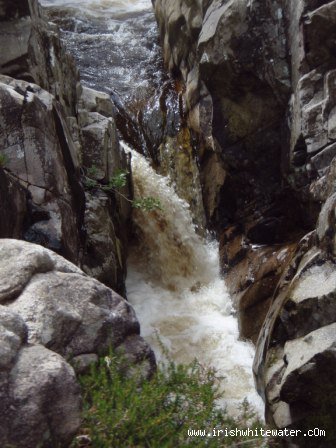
point(171, 144)
point(50, 64)
point(327, 224)
point(14, 205)
point(252, 274)
point(295, 347)
point(104, 254)
point(259, 82)
point(213, 178)
point(177, 159)
point(14, 36)
point(11, 9)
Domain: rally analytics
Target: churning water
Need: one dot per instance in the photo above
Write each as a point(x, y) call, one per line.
point(180, 299)
point(173, 277)
point(114, 42)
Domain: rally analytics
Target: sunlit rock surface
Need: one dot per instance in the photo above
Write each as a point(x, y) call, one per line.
point(52, 313)
point(40, 397)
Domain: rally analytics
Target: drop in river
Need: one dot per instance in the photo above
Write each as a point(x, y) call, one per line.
point(173, 276)
point(182, 302)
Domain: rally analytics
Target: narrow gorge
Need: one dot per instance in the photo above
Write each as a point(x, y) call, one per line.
point(168, 185)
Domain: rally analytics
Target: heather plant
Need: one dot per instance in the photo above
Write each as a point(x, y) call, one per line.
point(130, 411)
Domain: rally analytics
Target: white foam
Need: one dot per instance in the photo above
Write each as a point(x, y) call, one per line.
point(173, 282)
point(97, 7)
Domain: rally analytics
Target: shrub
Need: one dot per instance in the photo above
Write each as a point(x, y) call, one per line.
point(127, 412)
point(116, 182)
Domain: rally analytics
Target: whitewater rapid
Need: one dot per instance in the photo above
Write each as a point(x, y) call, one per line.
point(114, 42)
point(181, 300)
point(173, 276)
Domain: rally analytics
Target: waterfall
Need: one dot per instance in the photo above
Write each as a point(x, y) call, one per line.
point(173, 276)
point(182, 302)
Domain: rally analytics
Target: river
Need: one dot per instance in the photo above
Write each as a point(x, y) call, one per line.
point(173, 278)
point(114, 43)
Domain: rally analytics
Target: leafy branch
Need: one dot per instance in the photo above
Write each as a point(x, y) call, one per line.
point(115, 183)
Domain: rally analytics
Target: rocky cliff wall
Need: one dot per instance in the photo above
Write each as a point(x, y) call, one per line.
point(259, 92)
point(58, 150)
point(58, 144)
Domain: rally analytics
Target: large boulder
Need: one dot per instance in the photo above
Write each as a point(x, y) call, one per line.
point(64, 309)
point(51, 314)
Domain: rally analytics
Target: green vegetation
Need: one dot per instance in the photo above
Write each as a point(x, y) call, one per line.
point(3, 160)
point(148, 203)
point(121, 411)
point(115, 183)
point(119, 179)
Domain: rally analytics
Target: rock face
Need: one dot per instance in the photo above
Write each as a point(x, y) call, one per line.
point(259, 91)
point(13, 9)
point(40, 399)
point(14, 34)
point(54, 136)
point(13, 210)
point(232, 58)
point(31, 142)
point(295, 360)
point(52, 313)
point(58, 148)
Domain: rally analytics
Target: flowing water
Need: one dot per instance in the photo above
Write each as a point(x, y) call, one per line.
point(114, 42)
point(180, 299)
point(173, 277)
